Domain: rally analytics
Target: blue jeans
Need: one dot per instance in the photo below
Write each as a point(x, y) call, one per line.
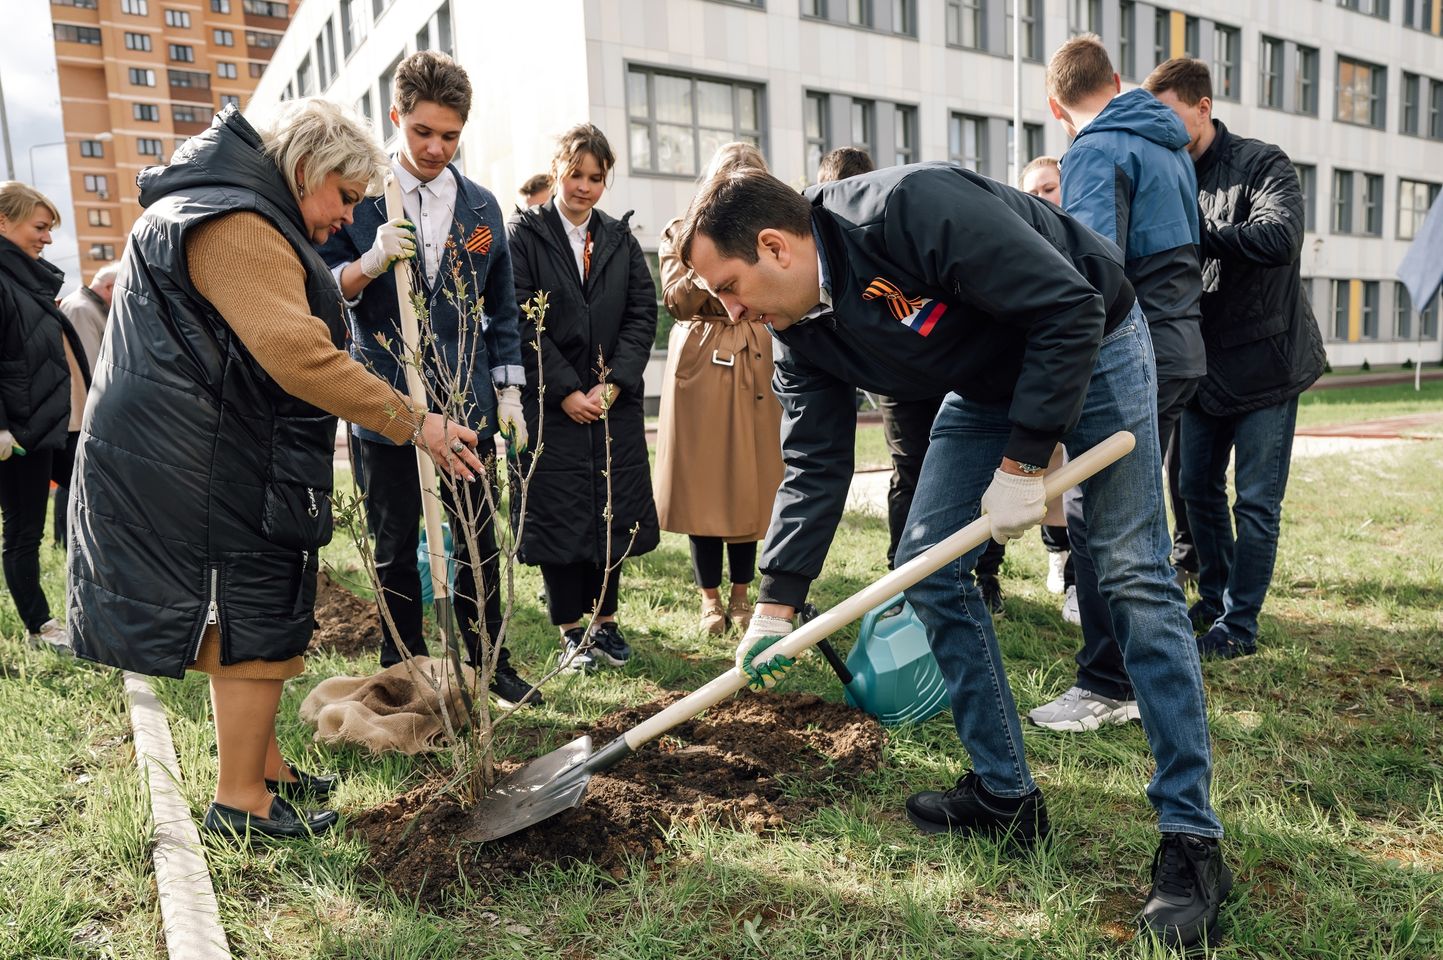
point(1129, 545)
point(1234, 572)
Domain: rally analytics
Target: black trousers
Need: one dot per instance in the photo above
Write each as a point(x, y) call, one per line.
point(387, 477)
point(706, 561)
point(907, 426)
point(572, 590)
point(1053, 538)
point(24, 495)
point(1099, 662)
point(60, 468)
point(1184, 553)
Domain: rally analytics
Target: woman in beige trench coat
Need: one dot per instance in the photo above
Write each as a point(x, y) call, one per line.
point(718, 453)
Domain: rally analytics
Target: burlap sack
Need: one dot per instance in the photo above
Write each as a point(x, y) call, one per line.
point(397, 709)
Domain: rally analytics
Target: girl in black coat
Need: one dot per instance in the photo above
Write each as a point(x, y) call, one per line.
point(601, 308)
point(37, 351)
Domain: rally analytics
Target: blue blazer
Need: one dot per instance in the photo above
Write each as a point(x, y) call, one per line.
point(476, 268)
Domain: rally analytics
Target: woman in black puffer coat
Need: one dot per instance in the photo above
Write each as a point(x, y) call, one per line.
point(38, 347)
point(601, 307)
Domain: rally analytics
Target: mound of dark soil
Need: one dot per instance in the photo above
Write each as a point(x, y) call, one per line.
point(735, 765)
point(348, 625)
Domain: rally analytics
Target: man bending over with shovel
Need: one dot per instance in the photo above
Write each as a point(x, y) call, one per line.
point(925, 276)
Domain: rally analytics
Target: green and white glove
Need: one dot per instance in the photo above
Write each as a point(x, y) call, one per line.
point(761, 633)
point(395, 240)
point(9, 446)
point(511, 421)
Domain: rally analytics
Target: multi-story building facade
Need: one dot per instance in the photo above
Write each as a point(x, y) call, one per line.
point(137, 77)
point(1351, 89)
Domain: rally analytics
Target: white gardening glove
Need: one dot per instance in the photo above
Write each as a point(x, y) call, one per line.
point(1015, 504)
point(511, 421)
point(761, 633)
point(9, 446)
point(395, 240)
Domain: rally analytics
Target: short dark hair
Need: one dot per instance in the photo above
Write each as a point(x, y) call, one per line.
point(1188, 78)
point(844, 162)
point(432, 76)
point(1079, 68)
point(732, 209)
point(535, 184)
point(582, 138)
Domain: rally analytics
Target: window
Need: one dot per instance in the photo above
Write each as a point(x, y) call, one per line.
point(1270, 66)
point(1191, 37)
point(1084, 16)
point(303, 77)
point(1308, 186)
point(363, 106)
point(220, 6)
point(859, 13)
point(182, 53)
point(1412, 92)
point(136, 8)
point(69, 33)
point(388, 83)
point(1415, 199)
point(226, 71)
point(442, 25)
point(145, 111)
point(864, 125)
point(1161, 36)
point(189, 78)
point(1435, 110)
point(677, 121)
point(92, 148)
point(378, 7)
point(96, 183)
point(964, 24)
point(326, 54)
point(223, 38)
point(904, 134)
point(1361, 92)
point(141, 77)
point(1127, 38)
point(815, 129)
point(1403, 316)
point(1370, 309)
point(1306, 81)
point(177, 18)
point(1031, 35)
point(1373, 8)
point(903, 19)
point(967, 142)
point(1373, 204)
point(264, 8)
point(1355, 310)
point(97, 217)
point(263, 40)
point(1419, 14)
point(137, 41)
point(78, 4)
point(1226, 44)
point(353, 25)
point(148, 147)
point(256, 70)
point(229, 100)
point(1342, 201)
point(1031, 147)
point(184, 114)
point(102, 251)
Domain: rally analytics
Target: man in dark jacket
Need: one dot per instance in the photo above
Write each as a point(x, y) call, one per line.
point(928, 275)
point(1127, 176)
point(1263, 349)
point(453, 227)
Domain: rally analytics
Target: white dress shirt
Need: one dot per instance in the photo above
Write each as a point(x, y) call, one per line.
point(431, 206)
point(576, 236)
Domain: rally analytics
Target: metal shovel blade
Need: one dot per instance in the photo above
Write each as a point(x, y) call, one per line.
point(543, 788)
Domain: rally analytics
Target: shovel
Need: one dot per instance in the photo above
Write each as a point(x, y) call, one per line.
point(557, 781)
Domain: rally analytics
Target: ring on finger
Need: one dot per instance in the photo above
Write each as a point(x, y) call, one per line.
point(457, 446)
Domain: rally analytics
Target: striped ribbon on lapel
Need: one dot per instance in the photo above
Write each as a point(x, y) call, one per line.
point(898, 302)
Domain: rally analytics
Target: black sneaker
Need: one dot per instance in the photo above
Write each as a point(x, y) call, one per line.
point(969, 808)
point(576, 652)
point(1218, 644)
point(511, 690)
point(609, 646)
point(991, 595)
point(1203, 615)
point(1190, 881)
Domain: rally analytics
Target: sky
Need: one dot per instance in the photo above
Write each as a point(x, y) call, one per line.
point(32, 102)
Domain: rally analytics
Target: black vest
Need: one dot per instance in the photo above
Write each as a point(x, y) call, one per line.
point(201, 490)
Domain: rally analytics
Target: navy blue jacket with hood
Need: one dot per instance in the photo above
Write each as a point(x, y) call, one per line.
point(1128, 176)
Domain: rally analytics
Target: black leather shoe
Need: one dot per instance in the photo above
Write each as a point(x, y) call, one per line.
point(969, 808)
point(305, 787)
point(1190, 881)
point(284, 823)
point(511, 690)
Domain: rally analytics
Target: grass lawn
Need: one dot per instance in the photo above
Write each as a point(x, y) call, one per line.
point(1329, 779)
point(1352, 404)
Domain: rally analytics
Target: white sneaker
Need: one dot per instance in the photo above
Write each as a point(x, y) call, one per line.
point(1069, 607)
point(52, 636)
point(1056, 562)
point(1078, 710)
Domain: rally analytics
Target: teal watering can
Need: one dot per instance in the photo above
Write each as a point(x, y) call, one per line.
point(423, 564)
point(895, 678)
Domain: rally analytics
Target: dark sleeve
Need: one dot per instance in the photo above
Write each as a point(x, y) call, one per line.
point(560, 379)
point(819, 426)
point(638, 326)
point(503, 334)
point(963, 238)
point(1272, 234)
point(1098, 192)
point(7, 317)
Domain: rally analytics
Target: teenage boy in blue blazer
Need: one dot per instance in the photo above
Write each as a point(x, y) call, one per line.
point(452, 235)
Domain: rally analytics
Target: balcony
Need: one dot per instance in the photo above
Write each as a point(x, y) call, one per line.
point(191, 95)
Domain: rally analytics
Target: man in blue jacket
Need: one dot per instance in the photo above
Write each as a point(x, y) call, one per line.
point(456, 228)
point(1127, 175)
point(927, 276)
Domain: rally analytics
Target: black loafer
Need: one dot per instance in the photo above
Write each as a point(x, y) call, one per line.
point(284, 823)
point(305, 787)
point(970, 808)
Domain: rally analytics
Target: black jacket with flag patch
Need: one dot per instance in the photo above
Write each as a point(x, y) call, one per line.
point(941, 280)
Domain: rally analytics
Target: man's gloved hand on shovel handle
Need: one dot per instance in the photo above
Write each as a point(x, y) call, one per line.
point(764, 630)
point(1015, 501)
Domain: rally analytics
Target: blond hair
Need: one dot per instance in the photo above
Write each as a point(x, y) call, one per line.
point(1035, 164)
point(19, 200)
point(736, 155)
point(321, 138)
